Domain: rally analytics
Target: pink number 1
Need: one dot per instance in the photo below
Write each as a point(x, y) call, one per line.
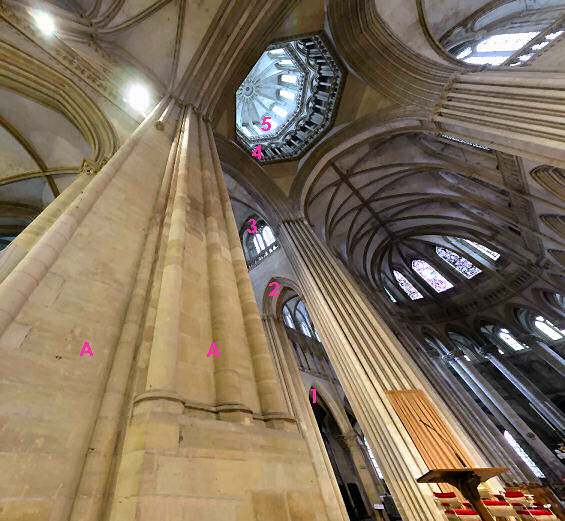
point(273, 293)
point(313, 395)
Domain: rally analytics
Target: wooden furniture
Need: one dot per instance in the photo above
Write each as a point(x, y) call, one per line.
point(466, 480)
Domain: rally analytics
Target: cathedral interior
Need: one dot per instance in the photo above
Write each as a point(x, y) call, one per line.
point(282, 260)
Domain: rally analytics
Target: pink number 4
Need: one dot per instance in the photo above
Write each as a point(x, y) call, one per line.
point(274, 292)
point(257, 152)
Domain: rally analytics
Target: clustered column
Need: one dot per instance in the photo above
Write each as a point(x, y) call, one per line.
point(368, 361)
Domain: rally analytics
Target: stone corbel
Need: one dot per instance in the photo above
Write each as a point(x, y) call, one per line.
point(89, 167)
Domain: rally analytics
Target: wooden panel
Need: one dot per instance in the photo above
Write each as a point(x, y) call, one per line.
point(414, 407)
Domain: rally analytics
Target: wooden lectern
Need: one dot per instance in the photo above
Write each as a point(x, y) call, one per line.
point(466, 480)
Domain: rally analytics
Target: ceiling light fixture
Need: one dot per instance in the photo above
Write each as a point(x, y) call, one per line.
point(138, 97)
point(44, 22)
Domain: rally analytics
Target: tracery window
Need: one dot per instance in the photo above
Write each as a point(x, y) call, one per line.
point(510, 33)
point(461, 264)
point(263, 238)
point(435, 279)
point(258, 240)
point(548, 329)
point(509, 340)
point(407, 286)
point(494, 255)
point(523, 455)
point(496, 49)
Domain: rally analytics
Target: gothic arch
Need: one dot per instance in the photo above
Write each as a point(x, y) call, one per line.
point(30, 77)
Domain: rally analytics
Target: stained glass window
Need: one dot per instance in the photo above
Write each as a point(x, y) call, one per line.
point(487, 251)
point(509, 340)
point(523, 455)
point(407, 287)
point(546, 327)
point(461, 264)
point(435, 279)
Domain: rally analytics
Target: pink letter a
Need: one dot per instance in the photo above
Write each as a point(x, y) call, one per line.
point(86, 349)
point(213, 351)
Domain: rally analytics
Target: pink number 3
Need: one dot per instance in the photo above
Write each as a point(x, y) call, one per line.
point(253, 227)
point(273, 293)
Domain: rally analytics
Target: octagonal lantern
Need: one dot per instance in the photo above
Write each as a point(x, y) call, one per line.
point(296, 84)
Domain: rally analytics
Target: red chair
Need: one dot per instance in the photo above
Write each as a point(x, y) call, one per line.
point(447, 497)
point(536, 514)
point(515, 496)
point(499, 508)
point(462, 514)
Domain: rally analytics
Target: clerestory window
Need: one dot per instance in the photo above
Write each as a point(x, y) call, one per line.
point(407, 286)
point(548, 329)
point(461, 264)
point(433, 277)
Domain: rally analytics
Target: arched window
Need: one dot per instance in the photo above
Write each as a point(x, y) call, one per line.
point(496, 49)
point(389, 295)
point(510, 33)
point(268, 236)
point(287, 317)
point(407, 287)
point(258, 242)
point(317, 336)
point(305, 329)
point(522, 453)
point(494, 255)
point(263, 238)
point(373, 459)
point(461, 264)
point(435, 279)
point(509, 340)
point(548, 329)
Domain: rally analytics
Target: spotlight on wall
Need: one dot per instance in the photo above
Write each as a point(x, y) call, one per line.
point(44, 22)
point(138, 97)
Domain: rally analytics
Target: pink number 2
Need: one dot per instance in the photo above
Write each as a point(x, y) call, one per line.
point(273, 293)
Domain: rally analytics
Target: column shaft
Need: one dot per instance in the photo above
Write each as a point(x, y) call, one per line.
point(268, 387)
point(493, 400)
point(163, 361)
point(21, 245)
point(553, 359)
point(290, 375)
point(530, 391)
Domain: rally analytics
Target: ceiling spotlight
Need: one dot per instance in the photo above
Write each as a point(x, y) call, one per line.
point(44, 22)
point(138, 97)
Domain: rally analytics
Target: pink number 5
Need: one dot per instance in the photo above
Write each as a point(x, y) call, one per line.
point(265, 122)
point(273, 293)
